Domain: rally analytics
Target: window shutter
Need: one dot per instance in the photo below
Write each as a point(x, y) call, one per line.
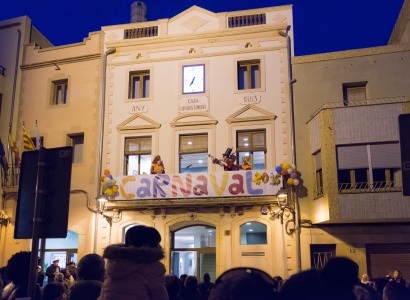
point(385, 155)
point(251, 141)
point(138, 146)
point(193, 143)
point(352, 157)
point(318, 161)
point(356, 93)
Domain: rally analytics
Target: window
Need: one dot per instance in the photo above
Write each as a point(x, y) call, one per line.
point(374, 167)
point(137, 155)
point(354, 91)
point(34, 140)
point(252, 144)
point(60, 92)
point(249, 74)
point(253, 233)
point(139, 84)
point(193, 153)
point(77, 142)
point(320, 254)
point(319, 174)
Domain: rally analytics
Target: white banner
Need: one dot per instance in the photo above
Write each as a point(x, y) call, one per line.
point(197, 185)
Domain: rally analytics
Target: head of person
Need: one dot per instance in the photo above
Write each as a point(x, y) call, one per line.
point(18, 268)
point(142, 236)
point(59, 277)
point(340, 271)
point(191, 282)
point(91, 267)
point(173, 285)
point(395, 291)
point(207, 278)
point(70, 264)
point(397, 274)
point(243, 283)
point(365, 278)
point(305, 285)
point(55, 262)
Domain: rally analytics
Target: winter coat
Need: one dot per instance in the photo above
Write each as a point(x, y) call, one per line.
point(134, 273)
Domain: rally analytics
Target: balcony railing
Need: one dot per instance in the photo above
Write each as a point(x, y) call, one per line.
point(10, 177)
point(365, 187)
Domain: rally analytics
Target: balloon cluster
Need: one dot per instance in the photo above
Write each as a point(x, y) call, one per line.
point(289, 173)
point(109, 184)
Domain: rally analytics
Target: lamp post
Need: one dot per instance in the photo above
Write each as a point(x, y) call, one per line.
point(294, 194)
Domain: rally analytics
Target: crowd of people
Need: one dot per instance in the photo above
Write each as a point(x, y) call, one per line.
point(133, 270)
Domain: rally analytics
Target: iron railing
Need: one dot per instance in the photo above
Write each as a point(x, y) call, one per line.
point(10, 177)
point(366, 187)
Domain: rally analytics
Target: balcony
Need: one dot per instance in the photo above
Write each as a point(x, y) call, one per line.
point(365, 187)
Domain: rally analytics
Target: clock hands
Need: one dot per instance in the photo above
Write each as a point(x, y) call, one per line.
point(192, 82)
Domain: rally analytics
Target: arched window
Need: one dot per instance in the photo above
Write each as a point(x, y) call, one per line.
point(253, 233)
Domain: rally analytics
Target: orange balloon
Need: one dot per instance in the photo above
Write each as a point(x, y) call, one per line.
point(284, 172)
point(106, 172)
point(102, 178)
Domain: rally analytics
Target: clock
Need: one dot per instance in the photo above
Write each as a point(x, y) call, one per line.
point(193, 79)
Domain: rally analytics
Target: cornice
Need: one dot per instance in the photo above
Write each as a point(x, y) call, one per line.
point(69, 60)
point(350, 54)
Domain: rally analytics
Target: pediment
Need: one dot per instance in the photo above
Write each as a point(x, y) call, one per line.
point(194, 19)
point(250, 112)
point(194, 119)
point(138, 122)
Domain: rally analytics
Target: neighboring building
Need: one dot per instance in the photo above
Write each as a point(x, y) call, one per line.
point(349, 154)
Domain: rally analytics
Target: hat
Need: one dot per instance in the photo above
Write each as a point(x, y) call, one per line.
point(56, 259)
point(227, 152)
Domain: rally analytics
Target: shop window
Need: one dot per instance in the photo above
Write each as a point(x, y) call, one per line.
point(60, 89)
point(249, 74)
point(253, 233)
point(193, 153)
point(137, 155)
point(253, 145)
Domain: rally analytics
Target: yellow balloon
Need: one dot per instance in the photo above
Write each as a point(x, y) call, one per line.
point(287, 165)
point(108, 191)
point(289, 181)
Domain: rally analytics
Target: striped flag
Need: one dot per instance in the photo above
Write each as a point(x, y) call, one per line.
point(37, 137)
point(13, 148)
point(3, 159)
point(28, 143)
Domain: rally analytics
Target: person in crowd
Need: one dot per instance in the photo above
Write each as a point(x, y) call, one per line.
point(190, 291)
point(398, 278)
point(157, 166)
point(244, 284)
point(40, 276)
point(182, 278)
point(173, 286)
point(340, 275)
point(52, 270)
point(305, 285)
point(68, 277)
point(17, 272)
point(91, 269)
point(53, 291)
point(278, 282)
point(205, 286)
point(134, 270)
point(73, 269)
point(59, 278)
point(395, 291)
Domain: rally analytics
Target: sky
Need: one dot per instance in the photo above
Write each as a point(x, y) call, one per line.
point(319, 25)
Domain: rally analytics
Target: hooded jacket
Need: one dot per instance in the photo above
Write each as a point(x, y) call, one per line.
point(134, 273)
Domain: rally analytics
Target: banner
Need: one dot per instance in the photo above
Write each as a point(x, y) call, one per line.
point(197, 185)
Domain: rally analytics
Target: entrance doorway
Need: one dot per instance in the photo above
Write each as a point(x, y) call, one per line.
point(193, 251)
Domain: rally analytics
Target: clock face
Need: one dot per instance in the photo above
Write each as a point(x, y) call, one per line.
point(193, 79)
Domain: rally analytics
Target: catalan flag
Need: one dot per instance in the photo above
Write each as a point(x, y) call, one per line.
point(28, 143)
point(3, 159)
point(13, 148)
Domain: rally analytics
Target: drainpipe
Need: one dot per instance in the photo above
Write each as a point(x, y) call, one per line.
point(291, 81)
point(101, 140)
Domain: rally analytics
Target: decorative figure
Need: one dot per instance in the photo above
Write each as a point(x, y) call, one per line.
point(226, 162)
point(157, 166)
point(246, 163)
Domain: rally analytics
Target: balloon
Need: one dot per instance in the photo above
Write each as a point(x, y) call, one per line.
point(108, 192)
point(109, 185)
point(284, 172)
point(110, 176)
point(294, 175)
point(281, 165)
point(278, 169)
point(290, 181)
point(104, 185)
point(286, 165)
point(114, 182)
point(102, 178)
point(295, 181)
point(106, 172)
point(115, 189)
point(293, 166)
point(107, 179)
point(290, 171)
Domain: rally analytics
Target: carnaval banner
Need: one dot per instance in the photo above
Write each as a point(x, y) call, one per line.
point(196, 185)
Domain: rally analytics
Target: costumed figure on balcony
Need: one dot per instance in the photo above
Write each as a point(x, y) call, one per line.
point(157, 166)
point(246, 163)
point(227, 162)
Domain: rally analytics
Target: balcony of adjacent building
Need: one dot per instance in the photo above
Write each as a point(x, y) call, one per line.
point(356, 161)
